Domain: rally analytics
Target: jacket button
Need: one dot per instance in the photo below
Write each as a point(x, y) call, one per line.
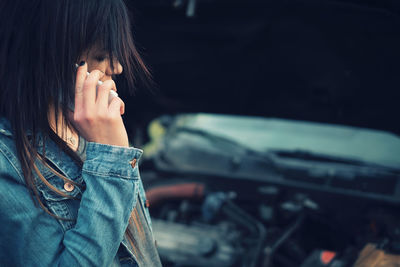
point(69, 187)
point(133, 163)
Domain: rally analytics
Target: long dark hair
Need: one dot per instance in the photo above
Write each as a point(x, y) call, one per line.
point(41, 40)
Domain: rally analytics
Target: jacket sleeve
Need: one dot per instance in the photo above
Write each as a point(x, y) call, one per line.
point(31, 237)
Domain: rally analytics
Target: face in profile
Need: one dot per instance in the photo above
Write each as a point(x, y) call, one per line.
point(98, 59)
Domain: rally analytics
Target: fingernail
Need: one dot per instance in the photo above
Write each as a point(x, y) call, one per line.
point(82, 63)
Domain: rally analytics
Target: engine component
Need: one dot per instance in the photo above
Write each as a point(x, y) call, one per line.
point(194, 245)
point(323, 258)
point(291, 154)
point(371, 256)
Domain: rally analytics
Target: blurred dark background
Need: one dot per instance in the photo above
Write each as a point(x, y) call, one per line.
point(316, 60)
point(335, 62)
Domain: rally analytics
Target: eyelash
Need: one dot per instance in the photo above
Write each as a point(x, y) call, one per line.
point(100, 58)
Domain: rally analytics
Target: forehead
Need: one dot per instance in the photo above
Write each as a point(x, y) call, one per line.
point(94, 50)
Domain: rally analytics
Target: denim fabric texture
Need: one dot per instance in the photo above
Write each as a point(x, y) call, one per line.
point(94, 234)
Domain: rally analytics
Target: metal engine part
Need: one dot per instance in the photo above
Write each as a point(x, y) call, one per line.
point(194, 245)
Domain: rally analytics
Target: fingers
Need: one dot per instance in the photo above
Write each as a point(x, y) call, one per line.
point(104, 92)
point(122, 108)
point(90, 101)
point(80, 80)
point(89, 89)
point(85, 87)
point(117, 105)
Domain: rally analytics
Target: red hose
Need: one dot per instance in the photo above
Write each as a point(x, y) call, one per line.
point(159, 194)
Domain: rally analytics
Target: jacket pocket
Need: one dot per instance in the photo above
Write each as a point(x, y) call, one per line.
point(66, 189)
point(63, 205)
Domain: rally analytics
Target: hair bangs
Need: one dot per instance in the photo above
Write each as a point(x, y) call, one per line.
point(110, 31)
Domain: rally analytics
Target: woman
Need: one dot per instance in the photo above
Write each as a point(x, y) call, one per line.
point(71, 193)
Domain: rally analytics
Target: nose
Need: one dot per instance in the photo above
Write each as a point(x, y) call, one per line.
point(117, 68)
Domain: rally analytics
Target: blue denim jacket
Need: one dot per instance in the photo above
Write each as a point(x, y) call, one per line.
point(94, 235)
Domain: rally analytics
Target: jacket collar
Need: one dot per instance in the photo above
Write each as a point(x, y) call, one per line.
point(53, 153)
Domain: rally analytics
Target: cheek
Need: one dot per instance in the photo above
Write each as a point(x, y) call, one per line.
point(95, 65)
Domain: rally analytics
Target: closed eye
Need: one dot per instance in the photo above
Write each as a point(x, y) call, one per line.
point(100, 58)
